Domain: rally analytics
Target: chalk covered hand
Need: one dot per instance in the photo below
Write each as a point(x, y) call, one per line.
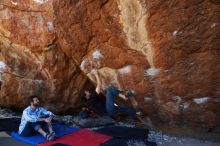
point(94, 71)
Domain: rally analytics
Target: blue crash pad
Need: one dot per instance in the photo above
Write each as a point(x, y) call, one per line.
point(34, 140)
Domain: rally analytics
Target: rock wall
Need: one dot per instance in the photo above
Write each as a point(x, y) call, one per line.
point(166, 51)
point(34, 60)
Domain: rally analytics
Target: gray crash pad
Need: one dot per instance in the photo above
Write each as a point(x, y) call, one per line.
point(93, 122)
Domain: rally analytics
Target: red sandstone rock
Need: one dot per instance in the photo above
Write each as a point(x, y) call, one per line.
point(166, 51)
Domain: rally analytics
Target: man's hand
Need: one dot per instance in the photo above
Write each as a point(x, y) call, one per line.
point(94, 71)
point(85, 109)
point(48, 120)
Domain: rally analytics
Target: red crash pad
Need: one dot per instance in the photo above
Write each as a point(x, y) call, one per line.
point(79, 138)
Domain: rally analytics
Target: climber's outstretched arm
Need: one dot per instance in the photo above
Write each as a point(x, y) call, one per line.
point(98, 87)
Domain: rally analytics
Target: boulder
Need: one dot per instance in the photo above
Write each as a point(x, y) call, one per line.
point(165, 51)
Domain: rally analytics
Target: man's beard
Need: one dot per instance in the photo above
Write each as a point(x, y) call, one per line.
point(36, 104)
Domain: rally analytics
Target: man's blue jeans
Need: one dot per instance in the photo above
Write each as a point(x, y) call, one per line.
point(111, 109)
point(31, 129)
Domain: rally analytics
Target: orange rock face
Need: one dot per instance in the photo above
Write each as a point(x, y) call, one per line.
point(35, 62)
point(166, 51)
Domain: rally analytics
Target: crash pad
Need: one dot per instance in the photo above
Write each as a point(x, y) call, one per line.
point(81, 137)
point(60, 130)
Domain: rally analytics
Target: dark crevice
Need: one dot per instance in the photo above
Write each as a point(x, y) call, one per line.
point(52, 43)
point(104, 3)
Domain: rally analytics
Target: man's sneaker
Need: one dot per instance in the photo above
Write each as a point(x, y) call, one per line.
point(138, 113)
point(130, 93)
point(53, 134)
point(49, 137)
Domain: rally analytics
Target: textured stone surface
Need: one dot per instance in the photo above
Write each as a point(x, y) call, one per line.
point(166, 51)
point(34, 59)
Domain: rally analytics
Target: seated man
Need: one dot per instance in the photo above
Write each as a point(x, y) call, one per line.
point(35, 119)
point(94, 105)
point(111, 93)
